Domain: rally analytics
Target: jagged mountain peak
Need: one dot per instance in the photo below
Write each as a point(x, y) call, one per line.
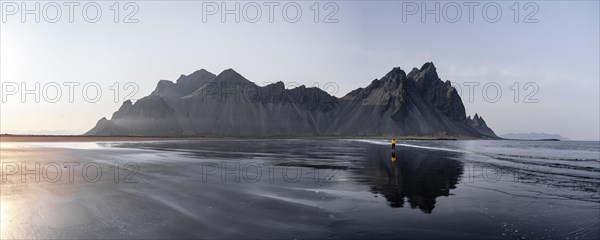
point(479, 124)
point(413, 72)
point(395, 74)
point(428, 66)
point(122, 110)
point(229, 71)
point(162, 84)
point(231, 76)
point(427, 73)
point(279, 84)
point(201, 71)
point(184, 85)
point(477, 118)
point(197, 76)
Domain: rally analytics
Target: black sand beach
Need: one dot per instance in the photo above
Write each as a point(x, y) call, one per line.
point(298, 189)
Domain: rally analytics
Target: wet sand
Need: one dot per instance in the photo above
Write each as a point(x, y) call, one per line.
point(304, 189)
point(82, 138)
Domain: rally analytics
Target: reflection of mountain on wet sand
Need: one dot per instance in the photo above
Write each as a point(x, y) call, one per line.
point(413, 177)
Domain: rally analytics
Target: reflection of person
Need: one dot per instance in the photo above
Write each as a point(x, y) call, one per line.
point(394, 143)
point(393, 156)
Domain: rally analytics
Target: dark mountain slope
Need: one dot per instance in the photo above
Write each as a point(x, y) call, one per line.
point(202, 104)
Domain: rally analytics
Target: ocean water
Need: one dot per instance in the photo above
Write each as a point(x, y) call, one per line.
point(304, 189)
point(565, 164)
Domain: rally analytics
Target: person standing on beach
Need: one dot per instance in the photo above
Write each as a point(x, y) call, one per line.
point(393, 158)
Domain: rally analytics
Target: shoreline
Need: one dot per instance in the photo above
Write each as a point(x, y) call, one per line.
point(83, 138)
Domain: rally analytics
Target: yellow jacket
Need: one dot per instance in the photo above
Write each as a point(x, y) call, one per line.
point(393, 141)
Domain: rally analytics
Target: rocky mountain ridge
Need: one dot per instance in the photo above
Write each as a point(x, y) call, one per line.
point(204, 104)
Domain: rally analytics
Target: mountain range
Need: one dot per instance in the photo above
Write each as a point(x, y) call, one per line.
point(204, 104)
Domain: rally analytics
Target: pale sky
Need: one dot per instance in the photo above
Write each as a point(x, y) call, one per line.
point(559, 54)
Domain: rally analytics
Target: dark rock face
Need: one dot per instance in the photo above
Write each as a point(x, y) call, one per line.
point(230, 105)
point(202, 104)
point(105, 127)
point(149, 116)
point(170, 91)
point(479, 124)
point(399, 104)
